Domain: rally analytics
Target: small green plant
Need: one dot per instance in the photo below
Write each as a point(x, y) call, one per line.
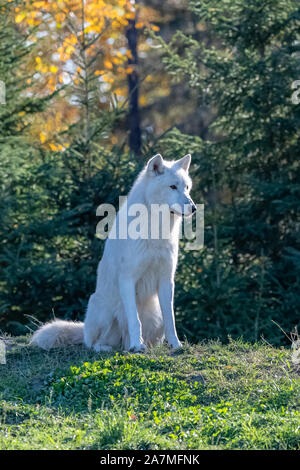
point(212, 396)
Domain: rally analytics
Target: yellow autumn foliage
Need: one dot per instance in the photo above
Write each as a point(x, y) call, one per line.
point(68, 35)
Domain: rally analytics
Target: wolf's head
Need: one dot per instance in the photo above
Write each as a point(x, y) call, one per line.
point(168, 182)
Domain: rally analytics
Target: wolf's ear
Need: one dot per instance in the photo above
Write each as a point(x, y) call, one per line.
point(184, 162)
point(155, 165)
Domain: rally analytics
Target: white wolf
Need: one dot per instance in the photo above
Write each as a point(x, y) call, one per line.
point(132, 306)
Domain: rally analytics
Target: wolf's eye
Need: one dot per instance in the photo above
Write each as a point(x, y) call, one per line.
point(173, 186)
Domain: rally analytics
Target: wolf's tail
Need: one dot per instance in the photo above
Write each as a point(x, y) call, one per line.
point(58, 333)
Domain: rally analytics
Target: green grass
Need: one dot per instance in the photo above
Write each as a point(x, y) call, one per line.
point(212, 396)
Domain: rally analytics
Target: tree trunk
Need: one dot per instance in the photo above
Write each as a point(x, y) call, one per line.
point(133, 90)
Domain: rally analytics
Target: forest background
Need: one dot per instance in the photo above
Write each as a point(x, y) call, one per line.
point(92, 89)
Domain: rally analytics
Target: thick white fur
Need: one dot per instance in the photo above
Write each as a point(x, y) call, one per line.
point(132, 306)
point(58, 333)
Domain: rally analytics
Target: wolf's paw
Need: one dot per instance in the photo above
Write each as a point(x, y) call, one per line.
point(102, 348)
point(137, 348)
point(175, 345)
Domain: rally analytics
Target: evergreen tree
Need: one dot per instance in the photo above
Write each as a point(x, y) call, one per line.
point(50, 251)
point(246, 172)
point(17, 155)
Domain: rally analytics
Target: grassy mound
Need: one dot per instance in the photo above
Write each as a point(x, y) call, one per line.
point(211, 396)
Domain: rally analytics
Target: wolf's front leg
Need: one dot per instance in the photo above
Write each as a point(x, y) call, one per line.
point(166, 296)
point(127, 293)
